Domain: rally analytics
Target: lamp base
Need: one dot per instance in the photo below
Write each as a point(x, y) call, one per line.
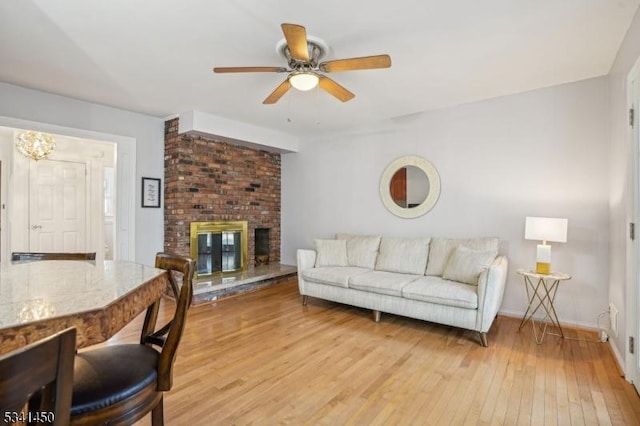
point(543, 268)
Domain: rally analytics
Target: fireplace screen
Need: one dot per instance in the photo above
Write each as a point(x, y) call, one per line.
point(219, 252)
point(218, 247)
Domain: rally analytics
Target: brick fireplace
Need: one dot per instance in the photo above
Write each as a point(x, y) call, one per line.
point(208, 180)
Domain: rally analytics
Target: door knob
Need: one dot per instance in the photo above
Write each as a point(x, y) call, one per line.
point(36, 227)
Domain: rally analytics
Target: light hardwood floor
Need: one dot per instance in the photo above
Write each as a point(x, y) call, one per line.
point(264, 359)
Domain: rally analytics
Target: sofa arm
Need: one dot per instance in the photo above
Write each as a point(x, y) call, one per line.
point(491, 285)
point(306, 259)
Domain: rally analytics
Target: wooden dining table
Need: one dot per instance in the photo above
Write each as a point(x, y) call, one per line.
point(40, 298)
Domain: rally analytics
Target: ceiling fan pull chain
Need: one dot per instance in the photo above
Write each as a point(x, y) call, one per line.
point(317, 105)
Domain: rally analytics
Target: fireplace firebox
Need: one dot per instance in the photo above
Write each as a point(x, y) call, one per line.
point(262, 246)
point(218, 247)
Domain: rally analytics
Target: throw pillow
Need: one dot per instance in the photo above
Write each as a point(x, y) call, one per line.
point(441, 248)
point(405, 255)
point(362, 250)
point(465, 265)
point(331, 253)
point(439, 251)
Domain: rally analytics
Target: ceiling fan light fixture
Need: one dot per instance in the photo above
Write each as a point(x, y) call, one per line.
point(304, 81)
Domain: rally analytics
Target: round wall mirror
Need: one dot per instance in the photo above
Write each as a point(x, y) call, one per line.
point(410, 186)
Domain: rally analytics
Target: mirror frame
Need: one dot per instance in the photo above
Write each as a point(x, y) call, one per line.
point(434, 186)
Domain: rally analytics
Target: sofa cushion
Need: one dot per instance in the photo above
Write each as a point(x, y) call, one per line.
point(465, 265)
point(362, 250)
point(390, 283)
point(332, 275)
point(331, 253)
point(443, 292)
point(441, 248)
point(404, 255)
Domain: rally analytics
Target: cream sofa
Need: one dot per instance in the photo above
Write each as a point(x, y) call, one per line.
point(457, 282)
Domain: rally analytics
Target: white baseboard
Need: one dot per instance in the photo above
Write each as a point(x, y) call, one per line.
point(618, 358)
point(520, 314)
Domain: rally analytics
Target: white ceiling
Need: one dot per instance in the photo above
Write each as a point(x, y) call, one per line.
point(156, 56)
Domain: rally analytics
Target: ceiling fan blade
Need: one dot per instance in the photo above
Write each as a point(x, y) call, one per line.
point(335, 89)
point(296, 36)
point(248, 69)
point(278, 93)
point(362, 63)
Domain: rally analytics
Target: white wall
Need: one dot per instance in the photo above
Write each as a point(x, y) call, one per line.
point(541, 153)
point(620, 201)
point(32, 105)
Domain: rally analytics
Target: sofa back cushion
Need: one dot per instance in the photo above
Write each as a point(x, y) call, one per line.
point(405, 255)
point(441, 248)
point(465, 265)
point(362, 250)
point(331, 253)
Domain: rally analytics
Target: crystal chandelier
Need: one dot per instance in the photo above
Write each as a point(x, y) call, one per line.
point(35, 145)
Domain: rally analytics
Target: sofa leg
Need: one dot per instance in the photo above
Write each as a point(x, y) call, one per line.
point(376, 316)
point(305, 299)
point(483, 339)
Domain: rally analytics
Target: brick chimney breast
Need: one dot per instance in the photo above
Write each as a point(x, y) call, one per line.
point(209, 180)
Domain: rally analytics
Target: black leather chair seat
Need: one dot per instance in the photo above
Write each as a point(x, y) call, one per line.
point(105, 376)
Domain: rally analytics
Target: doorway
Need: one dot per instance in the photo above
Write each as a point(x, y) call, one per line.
point(57, 204)
point(102, 151)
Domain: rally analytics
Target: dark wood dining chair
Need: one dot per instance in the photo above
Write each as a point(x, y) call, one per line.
point(18, 257)
point(40, 377)
point(120, 384)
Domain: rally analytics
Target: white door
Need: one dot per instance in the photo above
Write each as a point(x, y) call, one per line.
point(634, 304)
point(57, 206)
point(630, 346)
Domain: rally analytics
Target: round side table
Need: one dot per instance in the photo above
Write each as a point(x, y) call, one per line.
point(541, 292)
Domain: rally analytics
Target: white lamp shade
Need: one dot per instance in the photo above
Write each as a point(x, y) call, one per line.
point(546, 229)
point(304, 81)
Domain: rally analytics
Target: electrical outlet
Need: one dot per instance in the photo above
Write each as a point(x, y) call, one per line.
point(603, 336)
point(613, 319)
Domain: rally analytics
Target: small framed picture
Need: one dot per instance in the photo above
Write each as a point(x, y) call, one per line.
point(150, 192)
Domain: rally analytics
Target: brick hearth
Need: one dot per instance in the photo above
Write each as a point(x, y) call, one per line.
point(211, 180)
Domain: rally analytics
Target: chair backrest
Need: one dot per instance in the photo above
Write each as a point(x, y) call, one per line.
point(26, 256)
point(43, 368)
point(168, 337)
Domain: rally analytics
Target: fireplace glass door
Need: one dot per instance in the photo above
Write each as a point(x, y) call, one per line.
point(219, 252)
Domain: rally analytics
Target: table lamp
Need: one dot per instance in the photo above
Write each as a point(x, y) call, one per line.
point(545, 229)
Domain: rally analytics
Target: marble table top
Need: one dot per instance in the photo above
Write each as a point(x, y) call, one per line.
point(561, 276)
point(98, 298)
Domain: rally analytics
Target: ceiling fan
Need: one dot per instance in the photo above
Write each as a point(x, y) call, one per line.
point(305, 70)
